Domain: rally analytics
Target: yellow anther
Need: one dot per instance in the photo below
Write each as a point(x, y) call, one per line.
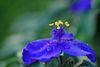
point(56, 24)
point(51, 24)
point(60, 22)
point(67, 24)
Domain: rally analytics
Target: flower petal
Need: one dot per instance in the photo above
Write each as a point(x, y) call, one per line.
point(86, 47)
point(52, 51)
point(57, 33)
point(79, 48)
point(26, 56)
point(68, 36)
point(69, 47)
point(49, 51)
point(37, 46)
point(42, 49)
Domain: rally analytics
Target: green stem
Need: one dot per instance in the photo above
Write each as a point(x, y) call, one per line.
point(61, 60)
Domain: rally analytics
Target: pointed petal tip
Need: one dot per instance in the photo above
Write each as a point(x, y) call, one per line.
point(26, 57)
point(84, 46)
point(79, 48)
point(92, 57)
point(69, 47)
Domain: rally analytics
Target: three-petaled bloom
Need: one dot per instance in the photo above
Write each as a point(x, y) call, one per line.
point(61, 41)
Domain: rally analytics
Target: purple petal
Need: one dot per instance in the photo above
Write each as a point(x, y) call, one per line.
point(58, 33)
point(44, 60)
point(68, 36)
point(78, 48)
point(69, 47)
point(27, 57)
point(41, 49)
point(52, 51)
point(38, 45)
point(33, 47)
point(86, 47)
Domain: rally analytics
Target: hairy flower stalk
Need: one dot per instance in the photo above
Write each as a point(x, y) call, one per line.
point(61, 41)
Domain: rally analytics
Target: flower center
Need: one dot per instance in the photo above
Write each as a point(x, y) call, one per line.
point(59, 23)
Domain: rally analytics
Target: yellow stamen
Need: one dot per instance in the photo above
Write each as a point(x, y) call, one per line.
point(60, 22)
point(56, 24)
point(67, 24)
point(51, 24)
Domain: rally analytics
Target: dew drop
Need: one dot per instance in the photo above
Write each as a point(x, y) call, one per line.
point(48, 49)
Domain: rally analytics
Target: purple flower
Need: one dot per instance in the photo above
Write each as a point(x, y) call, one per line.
point(61, 41)
point(81, 5)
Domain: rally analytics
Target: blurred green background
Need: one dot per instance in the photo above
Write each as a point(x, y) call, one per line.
point(22, 21)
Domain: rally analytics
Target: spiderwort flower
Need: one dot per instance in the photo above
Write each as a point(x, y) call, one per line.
point(61, 41)
point(81, 5)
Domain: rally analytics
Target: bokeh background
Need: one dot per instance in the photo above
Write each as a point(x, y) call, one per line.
point(22, 21)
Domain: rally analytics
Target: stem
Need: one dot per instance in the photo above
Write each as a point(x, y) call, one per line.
point(61, 60)
point(46, 64)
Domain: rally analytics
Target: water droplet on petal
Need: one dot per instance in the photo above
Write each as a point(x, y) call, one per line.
point(48, 48)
